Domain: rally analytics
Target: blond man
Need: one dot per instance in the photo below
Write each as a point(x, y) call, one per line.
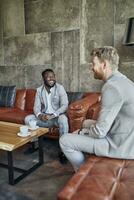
point(112, 135)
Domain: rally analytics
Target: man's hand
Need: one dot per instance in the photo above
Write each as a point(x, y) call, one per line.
point(45, 117)
point(76, 131)
point(50, 116)
point(84, 131)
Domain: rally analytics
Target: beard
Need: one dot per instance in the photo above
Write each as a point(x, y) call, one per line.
point(48, 84)
point(97, 76)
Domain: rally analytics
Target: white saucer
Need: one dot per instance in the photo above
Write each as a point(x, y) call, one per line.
point(32, 129)
point(21, 135)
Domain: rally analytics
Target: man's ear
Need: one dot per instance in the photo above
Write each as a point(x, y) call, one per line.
point(104, 64)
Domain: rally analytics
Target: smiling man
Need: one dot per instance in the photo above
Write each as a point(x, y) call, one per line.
point(51, 103)
point(112, 135)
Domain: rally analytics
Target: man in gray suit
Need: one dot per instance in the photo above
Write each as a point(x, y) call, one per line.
point(112, 135)
point(51, 103)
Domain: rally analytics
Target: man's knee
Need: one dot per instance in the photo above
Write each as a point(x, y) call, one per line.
point(63, 124)
point(63, 140)
point(63, 119)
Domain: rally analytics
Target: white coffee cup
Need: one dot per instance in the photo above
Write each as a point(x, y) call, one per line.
point(32, 124)
point(24, 130)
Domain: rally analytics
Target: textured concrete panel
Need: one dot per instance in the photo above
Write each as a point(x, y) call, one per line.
point(71, 60)
point(65, 58)
point(100, 18)
point(13, 16)
point(22, 77)
point(57, 54)
point(94, 23)
point(126, 52)
point(127, 68)
point(54, 15)
point(32, 49)
point(10, 75)
point(1, 38)
point(97, 29)
point(124, 10)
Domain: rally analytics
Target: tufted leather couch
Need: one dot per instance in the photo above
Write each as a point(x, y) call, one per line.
point(24, 101)
point(101, 178)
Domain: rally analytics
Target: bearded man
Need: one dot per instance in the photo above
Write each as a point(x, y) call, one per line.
point(51, 103)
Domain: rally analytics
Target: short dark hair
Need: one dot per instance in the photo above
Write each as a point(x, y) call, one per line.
point(46, 71)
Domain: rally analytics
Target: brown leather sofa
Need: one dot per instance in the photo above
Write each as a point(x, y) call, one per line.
point(24, 102)
point(100, 178)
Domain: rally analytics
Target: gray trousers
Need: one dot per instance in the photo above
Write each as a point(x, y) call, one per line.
point(61, 122)
point(74, 146)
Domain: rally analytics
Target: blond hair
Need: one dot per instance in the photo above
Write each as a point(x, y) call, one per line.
point(107, 53)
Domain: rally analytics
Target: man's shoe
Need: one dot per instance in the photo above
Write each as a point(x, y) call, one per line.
point(62, 158)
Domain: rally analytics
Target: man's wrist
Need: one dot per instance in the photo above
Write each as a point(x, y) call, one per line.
point(40, 116)
point(83, 131)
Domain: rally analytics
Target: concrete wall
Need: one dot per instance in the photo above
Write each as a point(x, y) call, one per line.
point(51, 15)
point(60, 34)
point(27, 56)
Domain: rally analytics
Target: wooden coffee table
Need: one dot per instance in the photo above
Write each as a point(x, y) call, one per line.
point(10, 141)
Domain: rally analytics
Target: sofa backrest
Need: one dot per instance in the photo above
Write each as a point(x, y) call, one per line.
point(78, 110)
point(73, 96)
point(25, 99)
point(20, 99)
point(30, 97)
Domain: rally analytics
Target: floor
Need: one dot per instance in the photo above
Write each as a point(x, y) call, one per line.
point(46, 181)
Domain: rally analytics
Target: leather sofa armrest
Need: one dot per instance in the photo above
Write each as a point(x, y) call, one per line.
point(93, 111)
point(77, 111)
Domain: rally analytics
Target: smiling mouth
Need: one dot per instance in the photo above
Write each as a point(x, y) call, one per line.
point(51, 82)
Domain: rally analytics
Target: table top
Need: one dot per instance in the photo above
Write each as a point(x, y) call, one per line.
point(9, 140)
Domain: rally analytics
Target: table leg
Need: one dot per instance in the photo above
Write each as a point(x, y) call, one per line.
point(10, 167)
point(40, 143)
point(24, 172)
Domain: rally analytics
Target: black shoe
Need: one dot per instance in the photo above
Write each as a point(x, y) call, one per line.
point(62, 158)
point(31, 149)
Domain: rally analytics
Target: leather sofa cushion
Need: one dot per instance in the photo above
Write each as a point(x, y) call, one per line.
point(7, 96)
point(101, 178)
point(77, 111)
point(20, 99)
point(30, 97)
point(5, 110)
point(15, 115)
point(73, 96)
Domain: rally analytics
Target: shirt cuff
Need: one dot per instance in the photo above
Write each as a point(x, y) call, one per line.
point(55, 114)
point(38, 114)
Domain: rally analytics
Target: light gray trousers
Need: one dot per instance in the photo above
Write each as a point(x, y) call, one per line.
point(61, 122)
point(74, 146)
